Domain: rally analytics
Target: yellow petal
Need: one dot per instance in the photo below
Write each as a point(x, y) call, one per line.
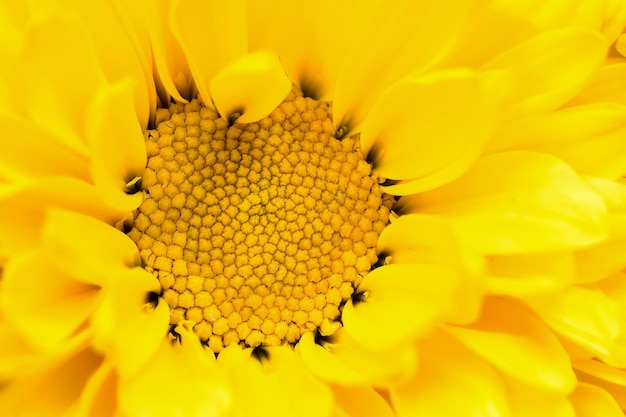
point(311, 54)
point(180, 380)
point(55, 97)
point(518, 344)
point(422, 125)
point(171, 66)
point(520, 275)
point(34, 152)
point(592, 401)
point(589, 138)
point(606, 377)
point(360, 401)
point(120, 55)
point(452, 381)
point(99, 399)
point(516, 21)
point(278, 385)
point(408, 37)
point(63, 235)
point(416, 238)
point(117, 146)
point(403, 301)
point(212, 34)
point(571, 55)
point(23, 209)
point(52, 391)
point(607, 84)
point(42, 302)
point(126, 326)
point(517, 202)
point(583, 315)
point(343, 361)
point(252, 86)
point(527, 400)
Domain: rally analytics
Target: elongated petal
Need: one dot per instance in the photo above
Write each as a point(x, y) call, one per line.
point(584, 315)
point(45, 304)
point(358, 401)
point(99, 399)
point(409, 37)
point(518, 344)
point(520, 275)
point(23, 209)
point(253, 85)
point(589, 138)
point(63, 236)
point(279, 384)
point(408, 133)
point(126, 325)
point(572, 55)
point(422, 239)
point(607, 84)
point(311, 54)
point(181, 379)
point(119, 54)
point(53, 391)
point(211, 34)
point(527, 400)
point(32, 151)
point(171, 67)
point(452, 381)
point(403, 301)
point(343, 361)
point(117, 146)
point(591, 401)
point(71, 78)
point(517, 202)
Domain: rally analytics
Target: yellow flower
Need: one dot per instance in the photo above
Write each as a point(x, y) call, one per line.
point(334, 209)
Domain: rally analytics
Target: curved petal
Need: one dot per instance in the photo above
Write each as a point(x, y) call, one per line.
point(607, 84)
point(171, 67)
point(211, 34)
point(181, 380)
point(63, 238)
point(584, 315)
point(402, 302)
point(416, 238)
point(591, 401)
point(126, 325)
point(452, 381)
point(518, 344)
point(360, 401)
point(252, 86)
point(422, 125)
point(277, 384)
point(52, 391)
point(517, 202)
point(23, 209)
point(34, 152)
point(42, 302)
point(117, 146)
point(119, 54)
point(99, 398)
point(571, 55)
point(54, 97)
point(589, 138)
point(342, 361)
point(405, 37)
point(530, 274)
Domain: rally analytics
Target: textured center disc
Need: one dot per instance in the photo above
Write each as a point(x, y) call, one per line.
point(259, 232)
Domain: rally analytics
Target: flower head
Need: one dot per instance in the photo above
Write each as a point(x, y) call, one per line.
point(224, 208)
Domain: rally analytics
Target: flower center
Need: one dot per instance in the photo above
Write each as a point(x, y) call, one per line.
point(258, 233)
